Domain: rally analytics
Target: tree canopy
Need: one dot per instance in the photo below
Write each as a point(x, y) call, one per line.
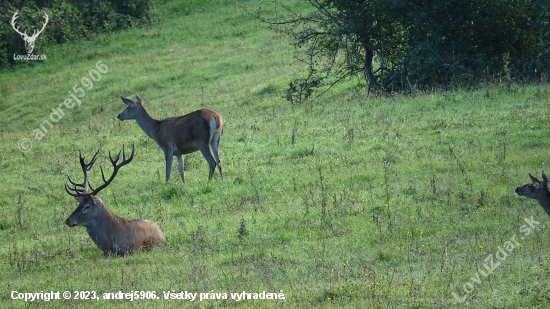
point(397, 45)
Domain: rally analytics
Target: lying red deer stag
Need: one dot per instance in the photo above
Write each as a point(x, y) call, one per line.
point(111, 233)
point(176, 136)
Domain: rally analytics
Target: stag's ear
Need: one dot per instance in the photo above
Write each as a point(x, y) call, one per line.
point(79, 199)
point(138, 98)
point(533, 178)
point(544, 178)
point(97, 200)
point(127, 101)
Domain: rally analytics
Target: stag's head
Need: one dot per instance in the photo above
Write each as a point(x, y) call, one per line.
point(89, 205)
point(132, 110)
point(535, 189)
point(87, 210)
point(29, 40)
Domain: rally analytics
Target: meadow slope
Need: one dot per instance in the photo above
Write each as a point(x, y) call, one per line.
point(350, 201)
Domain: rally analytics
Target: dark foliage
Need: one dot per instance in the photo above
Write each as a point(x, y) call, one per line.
point(68, 20)
point(398, 45)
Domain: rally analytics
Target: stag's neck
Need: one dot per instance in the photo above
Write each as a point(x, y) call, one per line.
point(148, 124)
point(544, 201)
point(101, 227)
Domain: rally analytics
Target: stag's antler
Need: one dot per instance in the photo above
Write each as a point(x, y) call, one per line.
point(35, 34)
point(84, 185)
point(87, 166)
point(116, 167)
point(13, 24)
point(29, 40)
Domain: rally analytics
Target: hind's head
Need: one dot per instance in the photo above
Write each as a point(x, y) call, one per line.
point(133, 109)
point(535, 189)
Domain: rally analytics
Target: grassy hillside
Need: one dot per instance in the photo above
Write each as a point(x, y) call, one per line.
point(349, 201)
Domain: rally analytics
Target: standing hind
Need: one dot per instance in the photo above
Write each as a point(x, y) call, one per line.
point(176, 136)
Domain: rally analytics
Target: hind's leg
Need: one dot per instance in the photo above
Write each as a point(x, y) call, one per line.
point(169, 159)
point(215, 143)
point(180, 166)
point(211, 162)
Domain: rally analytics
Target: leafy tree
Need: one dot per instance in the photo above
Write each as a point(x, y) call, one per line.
point(395, 44)
point(464, 40)
point(340, 39)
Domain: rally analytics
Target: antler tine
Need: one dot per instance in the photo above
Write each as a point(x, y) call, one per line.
point(14, 17)
point(78, 192)
point(73, 183)
point(116, 167)
point(117, 157)
point(124, 155)
point(85, 168)
point(35, 33)
point(113, 162)
point(45, 23)
point(89, 164)
point(124, 160)
point(68, 192)
point(90, 186)
point(13, 23)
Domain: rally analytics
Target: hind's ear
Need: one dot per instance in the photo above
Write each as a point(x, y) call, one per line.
point(544, 178)
point(127, 101)
point(533, 178)
point(138, 98)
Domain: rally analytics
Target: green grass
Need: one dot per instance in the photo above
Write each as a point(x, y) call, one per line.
point(381, 202)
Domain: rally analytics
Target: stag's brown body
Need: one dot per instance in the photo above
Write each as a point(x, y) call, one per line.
point(115, 235)
point(112, 234)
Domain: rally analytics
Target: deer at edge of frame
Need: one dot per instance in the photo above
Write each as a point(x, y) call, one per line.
point(537, 190)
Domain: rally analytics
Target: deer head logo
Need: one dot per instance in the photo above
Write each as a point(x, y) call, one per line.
point(29, 40)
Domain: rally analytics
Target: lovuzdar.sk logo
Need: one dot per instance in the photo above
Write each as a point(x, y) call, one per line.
point(29, 40)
